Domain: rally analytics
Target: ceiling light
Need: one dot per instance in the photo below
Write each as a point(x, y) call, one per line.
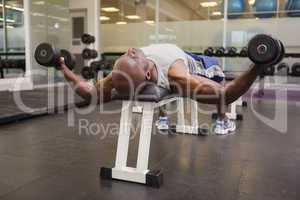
point(251, 2)
point(149, 22)
point(110, 9)
point(18, 9)
point(216, 13)
point(121, 23)
point(38, 14)
point(133, 17)
point(39, 3)
point(104, 18)
point(208, 4)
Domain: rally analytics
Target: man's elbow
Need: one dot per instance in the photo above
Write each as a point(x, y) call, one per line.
point(85, 90)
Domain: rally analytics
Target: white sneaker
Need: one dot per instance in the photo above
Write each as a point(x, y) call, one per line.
point(230, 125)
point(162, 123)
point(224, 127)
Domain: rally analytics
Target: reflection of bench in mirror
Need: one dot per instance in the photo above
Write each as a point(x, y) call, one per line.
point(13, 60)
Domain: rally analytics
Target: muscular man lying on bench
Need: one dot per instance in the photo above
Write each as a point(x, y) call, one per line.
point(198, 77)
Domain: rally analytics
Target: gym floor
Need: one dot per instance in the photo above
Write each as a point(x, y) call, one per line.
point(43, 158)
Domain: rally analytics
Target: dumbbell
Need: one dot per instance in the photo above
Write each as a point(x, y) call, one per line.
point(209, 51)
point(283, 69)
point(87, 39)
point(89, 53)
point(244, 52)
point(220, 51)
point(48, 56)
point(265, 50)
point(87, 73)
point(296, 69)
point(231, 51)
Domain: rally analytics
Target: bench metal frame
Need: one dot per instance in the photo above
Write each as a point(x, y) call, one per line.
point(141, 174)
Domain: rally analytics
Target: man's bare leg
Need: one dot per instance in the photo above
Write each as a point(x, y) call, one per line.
point(221, 111)
point(221, 106)
point(162, 123)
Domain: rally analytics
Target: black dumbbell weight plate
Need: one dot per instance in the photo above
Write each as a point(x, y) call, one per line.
point(283, 69)
point(87, 73)
point(87, 39)
point(263, 49)
point(296, 69)
point(282, 53)
point(69, 58)
point(86, 53)
point(92, 39)
point(46, 55)
point(220, 51)
point(89, 53)
point(231, 51)
point(209, 51)
point(244, 52)
point(94, 54)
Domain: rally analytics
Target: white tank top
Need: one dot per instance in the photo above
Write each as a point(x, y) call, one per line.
point(163, 56)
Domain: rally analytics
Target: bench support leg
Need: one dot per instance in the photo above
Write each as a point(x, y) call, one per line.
point(194, 128)
point(140, 174)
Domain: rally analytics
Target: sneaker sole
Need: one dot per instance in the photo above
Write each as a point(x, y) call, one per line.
point(163, 127)
point(223, 132)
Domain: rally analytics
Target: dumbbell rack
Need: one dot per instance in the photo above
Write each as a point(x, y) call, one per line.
point(88, 54)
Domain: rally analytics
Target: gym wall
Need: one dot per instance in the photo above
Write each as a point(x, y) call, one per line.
point(197, 35)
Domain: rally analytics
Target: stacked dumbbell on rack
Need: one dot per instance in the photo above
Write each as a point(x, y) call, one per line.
point(88, 54)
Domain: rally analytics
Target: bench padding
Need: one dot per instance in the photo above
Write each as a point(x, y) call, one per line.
point(150, 93)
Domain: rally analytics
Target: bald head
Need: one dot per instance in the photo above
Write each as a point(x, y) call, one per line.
point(130, 71)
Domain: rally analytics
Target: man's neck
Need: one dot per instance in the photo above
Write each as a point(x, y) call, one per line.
point(154, 72)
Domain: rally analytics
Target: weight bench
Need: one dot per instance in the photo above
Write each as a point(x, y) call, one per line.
point(150, 98)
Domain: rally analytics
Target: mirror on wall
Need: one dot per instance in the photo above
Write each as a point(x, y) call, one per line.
point(12, 39)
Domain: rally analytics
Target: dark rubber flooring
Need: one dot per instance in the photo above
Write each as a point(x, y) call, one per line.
point(45, 159)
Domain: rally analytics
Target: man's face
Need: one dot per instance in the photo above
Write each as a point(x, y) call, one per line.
point(136, 56)
point(130, 70)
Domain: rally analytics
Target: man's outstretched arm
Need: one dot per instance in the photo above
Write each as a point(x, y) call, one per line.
point(101, 91)
point(208, 91)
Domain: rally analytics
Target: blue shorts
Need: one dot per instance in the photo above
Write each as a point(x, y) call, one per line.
point(207, 67)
